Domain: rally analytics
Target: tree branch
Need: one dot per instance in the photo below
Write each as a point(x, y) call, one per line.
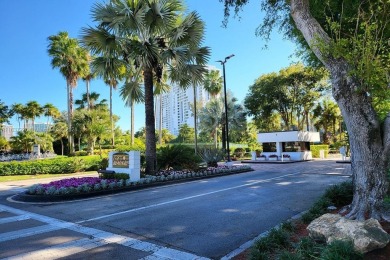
point(310, 28)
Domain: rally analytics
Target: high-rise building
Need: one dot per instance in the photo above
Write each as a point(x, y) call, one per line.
point(7, 131)
point(39, 127)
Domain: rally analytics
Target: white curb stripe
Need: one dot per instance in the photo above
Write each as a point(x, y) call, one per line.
point(62, 250)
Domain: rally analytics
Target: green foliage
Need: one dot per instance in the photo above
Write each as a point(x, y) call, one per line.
point(315, 150)
point(341, 194)
point(239, 152)
point(177, 157)
point(80, 153)
point(211, 156)
point(340, 250)
point(307, 248)
point(298, 90)
point(319, 208)
point(276, 239)
point(115, 176)
point(51, 166)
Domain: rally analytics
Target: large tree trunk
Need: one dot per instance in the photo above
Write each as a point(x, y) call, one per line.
point(370, 150)
point(160, 122)
point(150, 154)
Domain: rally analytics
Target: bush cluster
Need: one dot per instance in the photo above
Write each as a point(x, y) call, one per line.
point(315, 150)
point(51, 166)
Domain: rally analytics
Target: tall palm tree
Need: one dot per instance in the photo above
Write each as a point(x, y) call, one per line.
point(34, 110)
point(87, 79)
point(111, 69)
point(132, 92)
point(72, 61)
point(213, 83)
point(49, 110)
point(153, 34)
point(18, 110)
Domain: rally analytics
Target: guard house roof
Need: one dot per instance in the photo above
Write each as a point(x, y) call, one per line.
point(288, 136)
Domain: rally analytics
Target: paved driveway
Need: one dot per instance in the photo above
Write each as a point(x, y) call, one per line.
point(208, 218)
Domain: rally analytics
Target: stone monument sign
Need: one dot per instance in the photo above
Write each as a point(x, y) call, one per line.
point(125, 162)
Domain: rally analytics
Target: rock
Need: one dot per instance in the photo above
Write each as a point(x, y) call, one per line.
point(366, 236)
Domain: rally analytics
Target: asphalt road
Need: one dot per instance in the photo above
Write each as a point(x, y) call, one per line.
point(208, 218)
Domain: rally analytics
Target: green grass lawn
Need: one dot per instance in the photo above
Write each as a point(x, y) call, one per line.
point(40, 176)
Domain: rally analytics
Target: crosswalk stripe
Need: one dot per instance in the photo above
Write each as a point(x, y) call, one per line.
point(99, 236)
point(61, 250)
point(13, 219)
point(27, 232)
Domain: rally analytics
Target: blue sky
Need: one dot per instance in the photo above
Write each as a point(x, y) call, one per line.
point(26, 73)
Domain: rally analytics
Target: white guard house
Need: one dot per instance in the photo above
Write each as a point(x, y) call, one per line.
point(287, 145)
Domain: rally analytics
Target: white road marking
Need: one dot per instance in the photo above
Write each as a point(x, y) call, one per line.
point(27, 232)
point(13, 219)
point(61, 250)
point(185, 198)
point(98, 238)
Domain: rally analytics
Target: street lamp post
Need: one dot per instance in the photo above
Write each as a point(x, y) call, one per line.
point(226, 108)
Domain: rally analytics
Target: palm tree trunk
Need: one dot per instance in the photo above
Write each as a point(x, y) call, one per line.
point(132, 123)
point(62, 147)
point(195, 123)
point(150, 153)
point(216, 138)
point(70, 113)
point(88, 100)
point(160, 123)
point(111, 119)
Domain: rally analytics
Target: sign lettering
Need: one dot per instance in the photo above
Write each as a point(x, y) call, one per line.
point(120, 160)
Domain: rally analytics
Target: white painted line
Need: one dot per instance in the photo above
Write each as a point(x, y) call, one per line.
point(99, 236)
point(27, 232)
point(13, 219)
point(61, 250)
point(185, 198)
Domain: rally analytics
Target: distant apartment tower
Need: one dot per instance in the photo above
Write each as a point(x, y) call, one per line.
point(39, 127)
point(177, 107)
point(7, 131)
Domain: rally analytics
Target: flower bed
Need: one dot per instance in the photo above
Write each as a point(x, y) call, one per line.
point(90, 186)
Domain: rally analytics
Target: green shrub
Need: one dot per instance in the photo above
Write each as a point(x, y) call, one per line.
point(177, 157)
point(315, 150)
point(51, 166)
point(211, 156)
point(307, 248)
point(340, 250)
point(115, 176)
point(239, 152)
point(275, 239)
point(319, 208)
point(81, 153)
point(340, 194)
point(287, 255)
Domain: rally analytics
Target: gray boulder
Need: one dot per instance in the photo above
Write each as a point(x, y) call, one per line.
point(366, 236)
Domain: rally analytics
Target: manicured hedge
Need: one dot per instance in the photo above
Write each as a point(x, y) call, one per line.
point(315, 150)
point(51, 166)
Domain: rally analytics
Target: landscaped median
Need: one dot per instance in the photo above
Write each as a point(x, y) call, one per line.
point(79, 188)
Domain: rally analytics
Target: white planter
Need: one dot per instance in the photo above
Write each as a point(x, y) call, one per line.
point(260, 158)
point(272, 158)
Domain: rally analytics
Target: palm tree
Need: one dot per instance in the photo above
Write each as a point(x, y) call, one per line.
point(132, 92)
point(49, 110)
point(111, 69)
point(59, 131)
point(33, 110)
point(213, 83)
point(72, 61)
point(153, 34)
point(18, 110)
point(210, 118)
point(326, 115)
point(87, 78)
